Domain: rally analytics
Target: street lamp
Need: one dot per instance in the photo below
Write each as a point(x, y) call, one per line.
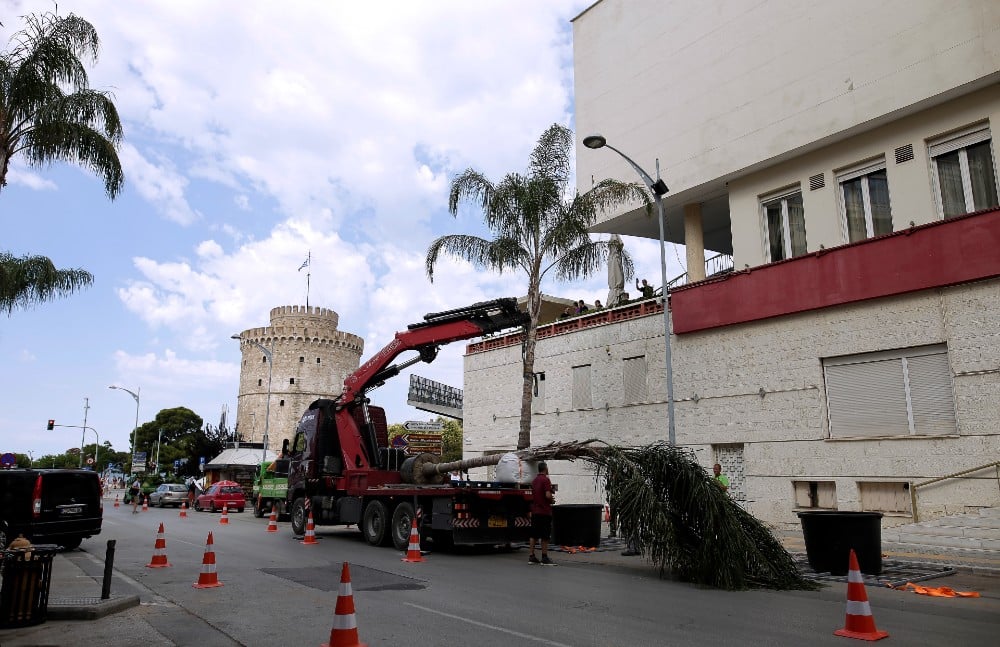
point(267, 408)
point(131, 440)
point(658, 187)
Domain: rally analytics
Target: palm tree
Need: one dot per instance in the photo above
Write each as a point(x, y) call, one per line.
point(29, 280)
point(47, 114)
point(537, 229)
point(39, 119)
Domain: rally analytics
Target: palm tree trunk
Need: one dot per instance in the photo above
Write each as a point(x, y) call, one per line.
point(534, 303)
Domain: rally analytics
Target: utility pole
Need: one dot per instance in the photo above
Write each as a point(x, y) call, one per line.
point(83, 433)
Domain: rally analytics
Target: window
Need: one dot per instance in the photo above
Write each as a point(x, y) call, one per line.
point(864, 205)
point(582, 398)
point(301, 359)
point(815, 494)
point(538, 394)
point(885, 496)
point(785, 226)
point(317, 360)
point(635, 380)
point(890, 393)
point(965, 178)
point(260, 382)
point(291, 380)
point(281, 403)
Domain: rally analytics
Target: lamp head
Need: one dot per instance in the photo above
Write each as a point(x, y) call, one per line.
point(112, 387)
point(234, 336)
point(595, 141)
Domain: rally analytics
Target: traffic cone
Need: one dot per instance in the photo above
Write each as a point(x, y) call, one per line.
point(145, 504)
point(310, 538)
point(208, 577)
point(272, 522)
point(860, 623)
point(413, 550)
point(117, 505)
point(345, 624)
point(224, 519)
point(607, 514)
point(184, 510)
point(159, 551)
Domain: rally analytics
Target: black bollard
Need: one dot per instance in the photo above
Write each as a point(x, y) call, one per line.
point(109, 564)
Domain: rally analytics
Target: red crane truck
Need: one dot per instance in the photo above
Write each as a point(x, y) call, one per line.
point(342, 468)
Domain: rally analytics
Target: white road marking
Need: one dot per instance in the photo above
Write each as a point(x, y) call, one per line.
point(488, 626)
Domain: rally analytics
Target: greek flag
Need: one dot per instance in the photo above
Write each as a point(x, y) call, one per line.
point(305, 264)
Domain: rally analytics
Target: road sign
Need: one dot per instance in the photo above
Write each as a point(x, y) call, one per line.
point(139, 462)
point(90, 461)
point(421, 443)
point(418, 425)
point(8, 460)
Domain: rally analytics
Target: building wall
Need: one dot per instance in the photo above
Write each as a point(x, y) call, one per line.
point(911, 190)
point(311, 360)
point(715, 88)
point(761, 385)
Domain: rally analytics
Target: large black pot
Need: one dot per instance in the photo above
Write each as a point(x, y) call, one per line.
point(577, 524)
point(831, 534)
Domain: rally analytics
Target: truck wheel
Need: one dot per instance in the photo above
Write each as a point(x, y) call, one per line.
point(375, 523)
point(299, 516)
point(402, 519)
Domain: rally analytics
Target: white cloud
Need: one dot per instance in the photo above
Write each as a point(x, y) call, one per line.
point(160, 184)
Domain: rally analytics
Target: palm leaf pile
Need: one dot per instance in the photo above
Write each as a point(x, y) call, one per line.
point(672, 511)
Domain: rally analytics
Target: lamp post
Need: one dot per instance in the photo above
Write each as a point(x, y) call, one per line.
point(159, 437)
point(131, 439)
point(267, 407)
point(658, 187)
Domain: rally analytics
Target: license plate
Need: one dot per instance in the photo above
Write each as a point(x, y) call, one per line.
point(71, 509)
point(497, 521)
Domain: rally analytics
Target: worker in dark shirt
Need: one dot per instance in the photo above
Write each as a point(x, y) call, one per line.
point(542, 498)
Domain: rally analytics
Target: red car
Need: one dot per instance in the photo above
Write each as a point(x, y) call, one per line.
point(223, 493)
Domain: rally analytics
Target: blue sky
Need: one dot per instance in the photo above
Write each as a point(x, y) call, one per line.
point(255, 134)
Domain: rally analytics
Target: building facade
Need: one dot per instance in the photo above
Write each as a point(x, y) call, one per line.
point(852, 353)
point(311, 358)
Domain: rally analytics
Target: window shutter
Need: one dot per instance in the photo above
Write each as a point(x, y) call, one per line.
point(582, 398)
point(958, 140)
point(931, 394)
point(635, 380)
point(867, 399)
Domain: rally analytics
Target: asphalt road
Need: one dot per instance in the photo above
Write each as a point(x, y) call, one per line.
point(277, 591)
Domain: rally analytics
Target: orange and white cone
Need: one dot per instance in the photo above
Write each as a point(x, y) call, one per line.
point(145, 504)
point(345, 624)
point(272, 522)
point(860, 623)
point(159, 551)
point(117, 505)
point(607, 514)
point(413, 550)
point(184, 510)
point(208, 577)
point(224, 519)
point(310, 538)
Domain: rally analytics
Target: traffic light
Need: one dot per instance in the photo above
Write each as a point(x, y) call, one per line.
point(52, 424)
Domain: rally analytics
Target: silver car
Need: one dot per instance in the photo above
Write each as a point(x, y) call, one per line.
point(168, 494)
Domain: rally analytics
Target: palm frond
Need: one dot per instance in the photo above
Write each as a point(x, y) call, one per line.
point(671, 509)
point(28, 280)
point(501, 254)
point(551, 157)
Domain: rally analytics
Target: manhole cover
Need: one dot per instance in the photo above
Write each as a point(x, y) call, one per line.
point(327, 578)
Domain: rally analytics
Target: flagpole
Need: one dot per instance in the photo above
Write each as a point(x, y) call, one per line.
point(308, 274)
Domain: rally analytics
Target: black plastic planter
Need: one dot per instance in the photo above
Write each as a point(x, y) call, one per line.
point(831, 534)
point(577, 524)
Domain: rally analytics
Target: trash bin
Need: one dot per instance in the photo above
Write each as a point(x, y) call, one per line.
point(831, 534)
point(577, 524)
point(24, 593)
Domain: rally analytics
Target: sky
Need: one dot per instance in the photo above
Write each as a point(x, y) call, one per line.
point(257, 134)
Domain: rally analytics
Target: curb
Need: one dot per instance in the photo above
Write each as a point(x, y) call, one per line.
point(89, 608)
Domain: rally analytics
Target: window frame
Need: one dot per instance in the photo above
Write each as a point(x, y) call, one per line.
point(861, 171)
point(583, 390)
point(960, 141)
point(786, 231)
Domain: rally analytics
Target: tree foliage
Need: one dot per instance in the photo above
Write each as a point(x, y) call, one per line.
point(675, 513)
point(48, 113)
point(538, 227)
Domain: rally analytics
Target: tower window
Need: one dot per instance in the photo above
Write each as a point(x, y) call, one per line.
point(291, 380)
point(260, 382)
point(281, 403)
point(301, 360)
point(317, 360)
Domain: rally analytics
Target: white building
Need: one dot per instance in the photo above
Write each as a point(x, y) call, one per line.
point(842, 154)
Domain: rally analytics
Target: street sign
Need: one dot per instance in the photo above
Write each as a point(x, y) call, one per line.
point(418, 425)
point(139, 462)
point(421, 443)
point(90, 461)
point(8, 460)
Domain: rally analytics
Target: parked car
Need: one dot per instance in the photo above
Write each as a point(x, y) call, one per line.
point(169, 494)
point(223, 493)
point(50, 506)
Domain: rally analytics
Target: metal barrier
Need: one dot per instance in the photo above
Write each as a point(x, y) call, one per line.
point(915, 486)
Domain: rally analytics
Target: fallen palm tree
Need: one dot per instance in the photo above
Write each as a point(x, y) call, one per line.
point(671, 510)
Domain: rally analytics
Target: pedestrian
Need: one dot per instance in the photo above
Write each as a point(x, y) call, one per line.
point(192, 492)
point(597, 305)
point(581, 307)
point(134, 493)
point(720, 478)
point(566, 313)
point(542, 498)
point(645, 289)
